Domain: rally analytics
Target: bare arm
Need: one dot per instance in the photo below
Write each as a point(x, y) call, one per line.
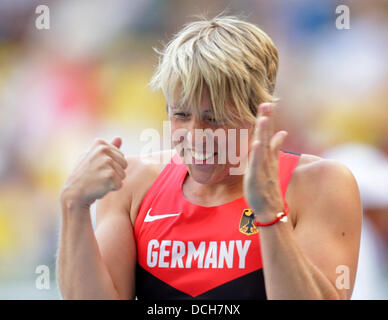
point(303, 263)
point(116, 215)
point(114, 234)
point(82, 271)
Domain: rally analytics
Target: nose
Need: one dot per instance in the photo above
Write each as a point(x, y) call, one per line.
point(198, 135)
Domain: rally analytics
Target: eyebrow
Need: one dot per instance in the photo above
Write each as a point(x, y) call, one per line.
point(174, 107)
point(180, 108)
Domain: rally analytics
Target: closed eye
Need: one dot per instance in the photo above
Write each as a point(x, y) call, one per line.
point(181, 115)
point(212, 121)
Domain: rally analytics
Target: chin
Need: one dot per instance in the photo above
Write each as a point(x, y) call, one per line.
point(203, 174)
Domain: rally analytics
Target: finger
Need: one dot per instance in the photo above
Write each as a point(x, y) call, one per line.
point(114, 147)
point(267, 109)
point(117, 142)
point(272, 120)
point(115, 180)
point(118, 169)
point(97, 143)
point(118, 157)
point(277, 141)
point(255, 153)
point(263, 131)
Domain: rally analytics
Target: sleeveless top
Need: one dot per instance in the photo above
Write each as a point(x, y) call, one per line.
point(188, 251)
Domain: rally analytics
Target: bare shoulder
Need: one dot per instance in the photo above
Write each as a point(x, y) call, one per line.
point(140, 174)
point(322, 182)
point(146, 166)
point(327, 208)
point(314, 168)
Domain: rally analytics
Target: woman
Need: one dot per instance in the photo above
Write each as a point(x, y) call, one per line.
point(281, 226)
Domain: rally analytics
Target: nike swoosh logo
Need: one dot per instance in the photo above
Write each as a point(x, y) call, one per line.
point(150, 218)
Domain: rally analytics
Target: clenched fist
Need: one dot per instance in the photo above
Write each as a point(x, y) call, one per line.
point(100, 170)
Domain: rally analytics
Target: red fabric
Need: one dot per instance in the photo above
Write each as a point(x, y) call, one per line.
point(216, 227)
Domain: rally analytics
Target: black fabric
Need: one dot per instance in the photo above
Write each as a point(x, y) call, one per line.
point(286, 151)
point(248, 287)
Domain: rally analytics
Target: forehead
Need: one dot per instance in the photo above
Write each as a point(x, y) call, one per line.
point(204, 106)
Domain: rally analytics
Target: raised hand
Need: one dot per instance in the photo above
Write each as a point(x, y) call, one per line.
point(100, 170)
point(261, 183)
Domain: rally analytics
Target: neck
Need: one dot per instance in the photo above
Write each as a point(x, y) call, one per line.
point(228, 189)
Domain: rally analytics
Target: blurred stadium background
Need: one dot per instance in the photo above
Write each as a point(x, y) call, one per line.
point(87, 77)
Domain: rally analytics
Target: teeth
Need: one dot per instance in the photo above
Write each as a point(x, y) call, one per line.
point(201, 156)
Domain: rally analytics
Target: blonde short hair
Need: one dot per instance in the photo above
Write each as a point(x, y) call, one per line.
point(235, 59)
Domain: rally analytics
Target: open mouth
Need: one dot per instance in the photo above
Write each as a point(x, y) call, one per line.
point(202, 156)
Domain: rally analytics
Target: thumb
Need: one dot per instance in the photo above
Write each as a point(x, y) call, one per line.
point(117, 142)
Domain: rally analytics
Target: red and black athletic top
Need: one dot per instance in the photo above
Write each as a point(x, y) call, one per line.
point(188, 251)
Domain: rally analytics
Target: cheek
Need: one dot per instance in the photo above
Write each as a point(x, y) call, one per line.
point(178, 133)
point(239, 143)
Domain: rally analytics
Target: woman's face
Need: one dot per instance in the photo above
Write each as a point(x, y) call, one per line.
point(211, 151)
